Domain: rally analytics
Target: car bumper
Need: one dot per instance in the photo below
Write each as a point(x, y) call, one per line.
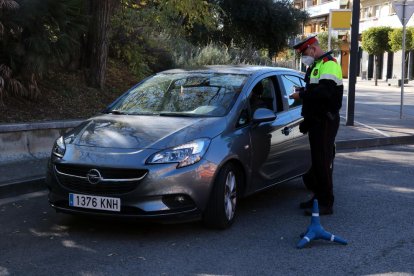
point(165, 193)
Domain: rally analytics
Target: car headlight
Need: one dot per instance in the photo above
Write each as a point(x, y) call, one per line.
point(185, 155)
point(59, 147)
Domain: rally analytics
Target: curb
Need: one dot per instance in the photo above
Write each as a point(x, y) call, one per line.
point(22, 186)
point(374, 142)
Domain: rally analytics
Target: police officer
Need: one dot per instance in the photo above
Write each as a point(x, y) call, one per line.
point(321, 102)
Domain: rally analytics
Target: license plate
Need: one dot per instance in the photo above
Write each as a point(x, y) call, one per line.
point(95, 202)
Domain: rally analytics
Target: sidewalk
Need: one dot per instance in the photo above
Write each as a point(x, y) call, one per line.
point(377, 116)
point(376, 123)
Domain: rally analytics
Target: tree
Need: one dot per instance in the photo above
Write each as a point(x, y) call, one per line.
point(375, 42)
point(146, 35)
point(264, 24)
point(323, 42)
point(396, 38)
point(154, 15)
point(96, 49)
point(396, 41)
point(7, 82)
point(35, 35)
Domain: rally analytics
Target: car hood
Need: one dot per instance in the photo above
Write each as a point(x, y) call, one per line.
point(140, 132)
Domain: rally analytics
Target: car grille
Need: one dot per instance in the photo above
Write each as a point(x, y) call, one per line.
point(105, 181)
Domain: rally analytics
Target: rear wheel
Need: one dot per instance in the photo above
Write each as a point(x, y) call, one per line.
point(221, 208)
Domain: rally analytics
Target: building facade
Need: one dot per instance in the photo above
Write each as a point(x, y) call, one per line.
point(376, 13)
point(318, 11)
point(373, 13)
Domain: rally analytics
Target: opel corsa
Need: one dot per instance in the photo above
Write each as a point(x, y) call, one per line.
point(183, 144)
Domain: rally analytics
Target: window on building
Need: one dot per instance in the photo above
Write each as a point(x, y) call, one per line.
point(366, 13)
point(375, 11)
point(314, 2)
point(299, 5)
point(389, 10)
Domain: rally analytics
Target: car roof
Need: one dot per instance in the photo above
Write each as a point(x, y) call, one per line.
point(230, 69)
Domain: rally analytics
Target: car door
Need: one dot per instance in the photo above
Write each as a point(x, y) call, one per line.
point(271, 141)
point(300, 149)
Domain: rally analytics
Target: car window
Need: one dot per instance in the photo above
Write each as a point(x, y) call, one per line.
point(243, 118)
point(289, 82)
point(263, 95)
point(182, 94)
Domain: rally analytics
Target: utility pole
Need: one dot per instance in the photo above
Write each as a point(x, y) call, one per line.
point(350, 108)
point(404, 12)
point(403, 58)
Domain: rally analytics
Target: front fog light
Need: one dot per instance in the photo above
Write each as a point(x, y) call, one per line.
point(59, 147)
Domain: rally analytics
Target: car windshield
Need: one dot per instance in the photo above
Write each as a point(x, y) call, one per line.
point(182, 94)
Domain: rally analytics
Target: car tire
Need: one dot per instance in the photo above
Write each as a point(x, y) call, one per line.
point(221, 208)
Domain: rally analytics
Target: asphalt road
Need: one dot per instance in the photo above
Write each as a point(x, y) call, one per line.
point(379, 107)
point(374, 211)
point(367, 104)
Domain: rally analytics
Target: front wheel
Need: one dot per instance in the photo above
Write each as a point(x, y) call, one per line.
point(221, 208)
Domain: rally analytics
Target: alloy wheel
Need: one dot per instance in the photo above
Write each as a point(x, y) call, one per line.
point(230, 195)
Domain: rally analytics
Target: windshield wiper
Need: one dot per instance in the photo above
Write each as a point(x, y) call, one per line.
point(117, 112)
point(179, 114)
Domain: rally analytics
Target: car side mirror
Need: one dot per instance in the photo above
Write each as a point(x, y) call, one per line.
point(263, 115)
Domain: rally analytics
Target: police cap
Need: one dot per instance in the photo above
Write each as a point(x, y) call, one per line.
point(304, 44)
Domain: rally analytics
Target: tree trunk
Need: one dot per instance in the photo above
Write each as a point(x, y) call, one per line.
point(97, 41)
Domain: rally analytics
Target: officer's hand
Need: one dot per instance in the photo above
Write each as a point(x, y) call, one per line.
point(294, 96)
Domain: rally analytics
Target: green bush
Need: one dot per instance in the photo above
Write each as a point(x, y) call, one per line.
point(187, 55)
point(249, 55)
point(396, 38)
point(36, 36)
point(212, 54)
point(135, 41)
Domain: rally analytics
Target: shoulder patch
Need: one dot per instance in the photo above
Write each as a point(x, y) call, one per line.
point(315, 72)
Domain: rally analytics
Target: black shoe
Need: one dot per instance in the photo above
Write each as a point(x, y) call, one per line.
point(307, 204)
point(323, 210)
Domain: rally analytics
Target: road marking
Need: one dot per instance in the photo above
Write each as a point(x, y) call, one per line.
point(8, 200)
point(370, 127)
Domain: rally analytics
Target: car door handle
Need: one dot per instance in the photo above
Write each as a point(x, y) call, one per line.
point(286, 130)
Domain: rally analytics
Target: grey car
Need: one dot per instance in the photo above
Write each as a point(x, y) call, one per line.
point(183, 145)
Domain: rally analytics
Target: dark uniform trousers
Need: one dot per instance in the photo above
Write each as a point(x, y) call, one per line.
point(318, 179)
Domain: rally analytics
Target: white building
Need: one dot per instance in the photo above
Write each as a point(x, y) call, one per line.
point(375, 13)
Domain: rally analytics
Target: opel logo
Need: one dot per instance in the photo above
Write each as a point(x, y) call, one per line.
point(94, 177)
